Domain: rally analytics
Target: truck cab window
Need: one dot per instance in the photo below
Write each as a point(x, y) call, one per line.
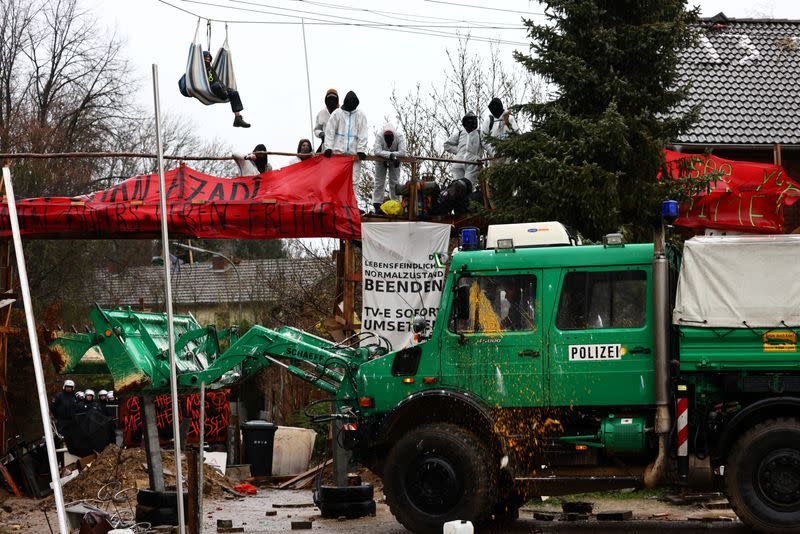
point(488, 304)
point(597, 300)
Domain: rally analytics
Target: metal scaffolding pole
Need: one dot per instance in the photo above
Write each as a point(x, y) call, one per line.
point(173, 373)
point(44, 409)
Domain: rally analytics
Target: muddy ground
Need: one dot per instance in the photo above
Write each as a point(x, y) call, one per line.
point(651, 516)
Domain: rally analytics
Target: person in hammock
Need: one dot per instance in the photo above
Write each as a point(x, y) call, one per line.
point(220, 90)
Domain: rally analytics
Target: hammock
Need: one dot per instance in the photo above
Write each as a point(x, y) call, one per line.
point(194, 83)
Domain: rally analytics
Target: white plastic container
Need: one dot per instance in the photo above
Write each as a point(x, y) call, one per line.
point(458, 527)
point(292, 450)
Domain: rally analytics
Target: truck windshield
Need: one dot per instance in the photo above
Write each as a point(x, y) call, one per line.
point(504, 303)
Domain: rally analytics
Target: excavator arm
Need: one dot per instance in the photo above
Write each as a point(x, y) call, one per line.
point(135, 348)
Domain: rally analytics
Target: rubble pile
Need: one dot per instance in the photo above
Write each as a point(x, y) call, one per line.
point(129, 467)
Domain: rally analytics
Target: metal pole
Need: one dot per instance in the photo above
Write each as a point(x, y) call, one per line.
point(308, 81)
point(37, 358)
point(201, 440)
point(173, 373)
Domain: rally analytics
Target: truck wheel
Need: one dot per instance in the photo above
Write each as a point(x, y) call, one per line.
point(437, 473)
point(762, 476)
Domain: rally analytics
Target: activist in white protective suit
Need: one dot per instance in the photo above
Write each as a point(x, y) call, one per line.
point(391, 145)
point(466, 145)
point(331, 103)
point(498, 124)
point(346, 132)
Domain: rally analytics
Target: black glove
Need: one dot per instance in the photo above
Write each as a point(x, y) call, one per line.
point(362, 156)
point(328, 153)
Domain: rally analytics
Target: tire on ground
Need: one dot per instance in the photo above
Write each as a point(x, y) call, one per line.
point(159, 499)
point(762, 476)
point(437, 473)
point(337, 494)
point(156, 516)
point(350, 510)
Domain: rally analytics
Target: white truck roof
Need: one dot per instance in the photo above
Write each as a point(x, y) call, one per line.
point(535, 234)
point(741, 281)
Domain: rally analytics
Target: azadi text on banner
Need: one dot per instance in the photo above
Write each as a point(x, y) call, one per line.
point(401, 277)
point(312, 198)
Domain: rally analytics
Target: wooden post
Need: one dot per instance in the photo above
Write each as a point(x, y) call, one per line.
point(412, 192)
point(152, 446)
point(776, 153)
point(349, 295)
point(6, 286)
point(195, 525)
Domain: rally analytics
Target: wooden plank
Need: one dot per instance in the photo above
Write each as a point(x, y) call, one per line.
point(306, 474)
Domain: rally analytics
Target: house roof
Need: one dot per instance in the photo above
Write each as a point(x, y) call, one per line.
point(746, 74)
point(201, 283)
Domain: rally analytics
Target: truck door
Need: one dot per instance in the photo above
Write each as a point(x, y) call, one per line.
point(493, 344)
point(601, 338)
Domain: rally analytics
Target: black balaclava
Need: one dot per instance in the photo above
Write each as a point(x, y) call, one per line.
point(331, 100)
point(261, 160)
point(350, 101)
point(388, 137)
point(307, 153)
point(469, 122)
point(496, 107)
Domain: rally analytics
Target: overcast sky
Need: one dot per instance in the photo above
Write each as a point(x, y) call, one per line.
point(269, 59)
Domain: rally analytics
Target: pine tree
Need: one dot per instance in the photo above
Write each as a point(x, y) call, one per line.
point(594, 152)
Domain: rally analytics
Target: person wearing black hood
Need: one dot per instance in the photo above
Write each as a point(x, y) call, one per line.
point(253, 164)
point(498, 124)
point(346, 132)
point(331, 103)
point(221, 91)
point(466, 145)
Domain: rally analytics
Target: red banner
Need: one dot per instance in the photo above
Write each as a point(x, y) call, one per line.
point(747, 197)
point(313, 198)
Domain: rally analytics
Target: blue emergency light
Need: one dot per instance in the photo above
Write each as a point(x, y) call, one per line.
point(669, 211)
point(469, 239)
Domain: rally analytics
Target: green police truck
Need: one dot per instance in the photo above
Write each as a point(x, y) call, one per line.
point(552, 368)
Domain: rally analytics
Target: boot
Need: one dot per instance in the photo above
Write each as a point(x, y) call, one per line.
point(239, 122)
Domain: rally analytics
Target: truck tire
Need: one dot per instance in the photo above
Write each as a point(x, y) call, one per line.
point(339, 494)
point(762, 476)
point(437, 473)
point(160, 499)
point(350, 510)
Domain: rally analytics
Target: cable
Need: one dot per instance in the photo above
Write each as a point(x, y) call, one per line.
point(391, 14)
point(483, 7)
point(366, 24)
point(347, 19)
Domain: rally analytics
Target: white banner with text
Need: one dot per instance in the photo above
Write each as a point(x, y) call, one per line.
point(402, 277)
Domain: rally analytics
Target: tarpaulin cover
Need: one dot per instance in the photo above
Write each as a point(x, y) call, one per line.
point(313, 198)
point(732, 281)
point(748, 197)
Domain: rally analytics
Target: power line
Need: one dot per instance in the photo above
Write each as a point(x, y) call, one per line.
point(353, 21)
point(327, 22)
point(393, 14)
point(483, 7)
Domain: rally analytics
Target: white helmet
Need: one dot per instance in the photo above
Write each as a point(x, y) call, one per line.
point(69, 384)
point(102, 392)
point(111, 395)
point(80, 394)
point(89, 392)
